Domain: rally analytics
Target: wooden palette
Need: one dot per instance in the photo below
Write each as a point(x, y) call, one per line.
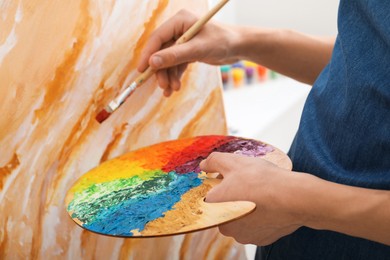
point(159, 190)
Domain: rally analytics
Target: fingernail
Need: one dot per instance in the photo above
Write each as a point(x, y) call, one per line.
point(157, 61)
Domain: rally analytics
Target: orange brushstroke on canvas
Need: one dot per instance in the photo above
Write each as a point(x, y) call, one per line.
point(8, 169)
point(49, 95)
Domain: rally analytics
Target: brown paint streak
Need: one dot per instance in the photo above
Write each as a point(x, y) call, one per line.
point(54, 92)
point(168, 114)
point(137, 130)
point(190, 129)
point(152, 248)
point(223, 250)
point(211, 245)
point(103, 97)
point(65, 71)
point(88, 240)
point(186, 245)
point(78, 135)
point(117, 136)
point(126, 249)
point(149, 27)
point(4, 240)
point(8, 169)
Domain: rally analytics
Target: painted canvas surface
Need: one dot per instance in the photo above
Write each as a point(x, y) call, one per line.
point(159, 190)
point(60, 63)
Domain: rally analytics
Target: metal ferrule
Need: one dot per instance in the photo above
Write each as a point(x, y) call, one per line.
point(118, 101)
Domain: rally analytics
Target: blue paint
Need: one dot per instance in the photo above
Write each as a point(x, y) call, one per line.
point(142, 204)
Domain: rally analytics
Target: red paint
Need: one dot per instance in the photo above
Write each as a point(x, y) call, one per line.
point(200, 149)
point(103, 115)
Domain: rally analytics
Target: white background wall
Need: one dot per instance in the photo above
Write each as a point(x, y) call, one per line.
point(317, 17)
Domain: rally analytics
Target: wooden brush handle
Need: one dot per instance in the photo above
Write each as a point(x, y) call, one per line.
point(188, 35)
point(144, 76)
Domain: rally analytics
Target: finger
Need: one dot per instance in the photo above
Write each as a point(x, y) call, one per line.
point(175, 74)
point(174, 81)
point(145, 58)
point(219, 162)
point(170, 30)
point(163, 79)
point(216, 194)
point(175, 55)
point(167, 92)
point(222, 192)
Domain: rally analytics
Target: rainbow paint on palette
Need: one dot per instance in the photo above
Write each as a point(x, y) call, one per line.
point(125, 195)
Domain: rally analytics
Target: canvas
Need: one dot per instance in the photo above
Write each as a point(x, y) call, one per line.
point(60, 63)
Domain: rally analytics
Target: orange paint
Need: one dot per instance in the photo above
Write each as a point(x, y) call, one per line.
point(149, 27)
point(8, 169)
point(117, 136)
point(64, 74)
point(200, 122)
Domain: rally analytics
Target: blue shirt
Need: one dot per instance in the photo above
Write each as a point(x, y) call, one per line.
point(344, 133)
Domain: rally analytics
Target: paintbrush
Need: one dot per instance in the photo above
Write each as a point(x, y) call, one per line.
point(188, 35)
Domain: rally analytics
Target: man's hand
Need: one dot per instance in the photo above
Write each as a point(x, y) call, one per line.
point(259, 181)
point(212, 45)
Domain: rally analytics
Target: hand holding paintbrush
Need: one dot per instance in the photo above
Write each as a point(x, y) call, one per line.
point(189, 34)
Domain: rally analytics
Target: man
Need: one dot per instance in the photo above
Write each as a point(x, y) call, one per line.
point(336, 203)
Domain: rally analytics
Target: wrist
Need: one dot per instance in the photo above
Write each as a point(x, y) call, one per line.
point(310, 200)
point(253, 43)
point(296, 198)
point(307, 199)
point(324, 205)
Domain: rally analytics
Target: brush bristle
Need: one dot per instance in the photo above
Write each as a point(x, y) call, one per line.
point(103, 115)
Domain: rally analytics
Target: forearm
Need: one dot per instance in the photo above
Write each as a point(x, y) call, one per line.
point(290, 53)
point(350, 210)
